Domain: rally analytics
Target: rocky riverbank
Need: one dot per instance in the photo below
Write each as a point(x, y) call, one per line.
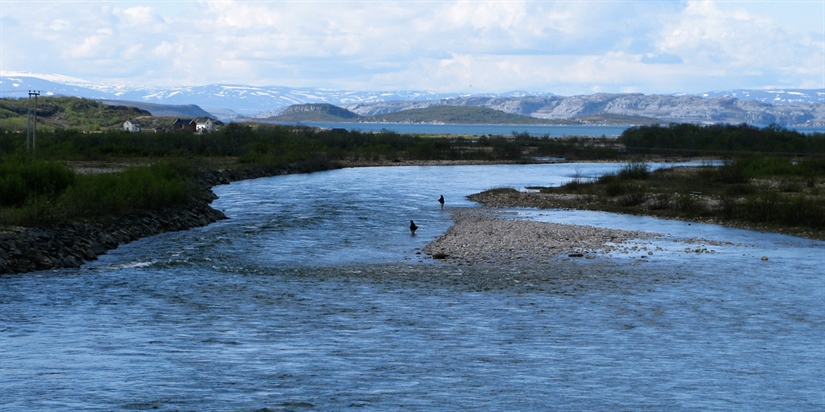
point(69, 245)
point(482, 236)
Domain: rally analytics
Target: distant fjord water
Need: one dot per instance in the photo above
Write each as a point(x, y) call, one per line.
point(491, 129)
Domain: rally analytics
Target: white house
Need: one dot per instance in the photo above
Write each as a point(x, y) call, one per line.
point(132, 126)
point(204, 125)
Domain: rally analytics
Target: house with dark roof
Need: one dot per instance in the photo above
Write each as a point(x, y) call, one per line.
point(198, 124)
point(184, 124)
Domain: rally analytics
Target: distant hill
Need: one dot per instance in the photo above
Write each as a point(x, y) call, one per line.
point(454, 115)
point(163, 110)
point(318, 112)
point(88, 114)
point(84, 114)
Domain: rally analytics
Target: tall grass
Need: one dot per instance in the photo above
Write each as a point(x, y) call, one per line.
point(634, 170)
point(137, 188)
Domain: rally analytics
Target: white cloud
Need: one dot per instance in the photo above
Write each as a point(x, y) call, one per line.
point(566, 47)
point(733, 43)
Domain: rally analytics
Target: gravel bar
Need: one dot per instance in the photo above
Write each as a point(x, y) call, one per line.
point(482, 236)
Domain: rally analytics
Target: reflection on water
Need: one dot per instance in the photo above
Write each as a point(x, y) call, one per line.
point(313, 296)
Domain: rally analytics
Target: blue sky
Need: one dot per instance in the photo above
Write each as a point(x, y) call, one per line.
point(562, 47)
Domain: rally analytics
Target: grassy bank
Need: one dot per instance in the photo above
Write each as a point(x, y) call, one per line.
point(46, 192)
point(753, 192)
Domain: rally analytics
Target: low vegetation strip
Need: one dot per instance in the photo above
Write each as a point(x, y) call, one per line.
point(42, 193)
point(754, 193)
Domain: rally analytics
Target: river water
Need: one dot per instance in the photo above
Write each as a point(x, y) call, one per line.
point(314, 296)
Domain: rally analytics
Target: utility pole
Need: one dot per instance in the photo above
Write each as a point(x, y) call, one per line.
point(31, 126)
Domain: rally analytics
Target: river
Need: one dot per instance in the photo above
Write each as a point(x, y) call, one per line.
point(313, 295)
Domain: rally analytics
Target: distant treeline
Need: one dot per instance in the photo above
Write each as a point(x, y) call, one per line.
point(265, 144)
point(259, 144)
point(722, 140)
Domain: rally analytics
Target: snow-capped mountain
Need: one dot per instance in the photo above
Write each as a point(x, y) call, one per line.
point(783, 106)
point(223, 100)
point(773, 96)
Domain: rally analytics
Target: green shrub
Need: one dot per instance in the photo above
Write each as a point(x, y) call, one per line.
point(615, 188)
point(812, 166)
point(21, 181)
point(574, 185)
point(137, 188)
point(789, 186)
point(12, 190)
point(689, 205)
point(39, 210)
point(634, 195)
point(741, 189)
point(731, 173)
point(634, 171)
point(608, 178)
point(787, 210)
point(764, 208)
point(729, 208)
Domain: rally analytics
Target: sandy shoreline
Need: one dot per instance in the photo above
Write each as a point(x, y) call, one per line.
point(482, 236)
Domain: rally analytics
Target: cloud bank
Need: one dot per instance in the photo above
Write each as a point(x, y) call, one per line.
point(564, 47)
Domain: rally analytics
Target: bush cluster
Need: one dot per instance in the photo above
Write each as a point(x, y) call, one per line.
point(33, 193)
point(755, 189)
point(22, 182)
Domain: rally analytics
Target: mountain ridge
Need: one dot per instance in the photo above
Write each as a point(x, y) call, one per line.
point(441, 114)
point(787, 107)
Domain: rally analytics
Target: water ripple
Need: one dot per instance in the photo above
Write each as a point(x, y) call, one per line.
point(312, 297)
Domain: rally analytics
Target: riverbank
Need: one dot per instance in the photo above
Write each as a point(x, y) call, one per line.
point(703, 207)
point(69, 245)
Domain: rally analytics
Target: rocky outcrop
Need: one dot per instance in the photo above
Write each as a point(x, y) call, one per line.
point(29, 249)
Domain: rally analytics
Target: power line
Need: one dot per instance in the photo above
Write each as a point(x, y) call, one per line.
point(31, 124)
